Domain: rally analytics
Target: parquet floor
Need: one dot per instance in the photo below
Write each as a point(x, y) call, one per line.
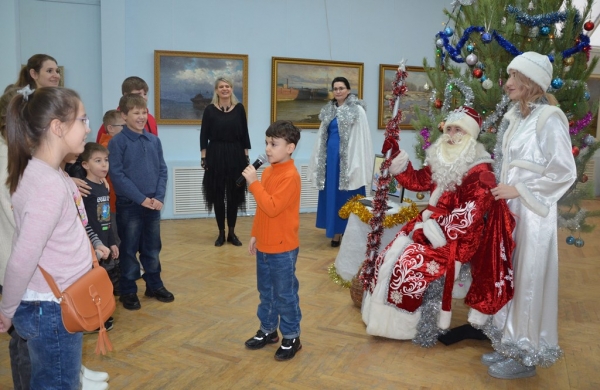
point(197, 341)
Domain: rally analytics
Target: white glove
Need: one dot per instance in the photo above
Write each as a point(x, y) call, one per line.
point(399, 163)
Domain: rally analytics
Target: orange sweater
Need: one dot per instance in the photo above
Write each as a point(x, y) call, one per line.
point(104, 139)
point(277, 217)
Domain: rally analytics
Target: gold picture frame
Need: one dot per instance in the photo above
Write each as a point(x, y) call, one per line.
point(416, 94)
point(301, 87)
point(184, 83)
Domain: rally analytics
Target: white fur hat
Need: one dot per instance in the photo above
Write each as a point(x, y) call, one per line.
point(535, 66)
point(467, 119)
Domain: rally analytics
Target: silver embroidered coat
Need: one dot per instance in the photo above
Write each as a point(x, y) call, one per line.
point(356, 148)
point(537, 160)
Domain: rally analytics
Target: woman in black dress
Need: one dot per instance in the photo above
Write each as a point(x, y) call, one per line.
point(224, 144)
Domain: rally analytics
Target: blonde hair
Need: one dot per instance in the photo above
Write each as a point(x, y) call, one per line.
point(531, 93)
point(215, 98)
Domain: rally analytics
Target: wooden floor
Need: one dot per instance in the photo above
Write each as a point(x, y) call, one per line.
point(197, 342)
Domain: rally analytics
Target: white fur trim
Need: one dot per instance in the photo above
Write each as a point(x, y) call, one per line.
point(477, 318)
point(457, 265)
point(531, 201)
point(434, 233)
point(528, 165)
point(444, 319)
point(465, 122)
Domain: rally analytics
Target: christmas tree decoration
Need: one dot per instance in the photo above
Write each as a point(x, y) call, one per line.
point(545, 30)
point(584, 178)
point(420, 195)
point(575, 151)
point(505, 28)
point(570, 240)
point(568, 61)
point(448, 31)
point(588, 26)
point(471, 59)
point(579, 242)
point(557, 83)
point(439, 43)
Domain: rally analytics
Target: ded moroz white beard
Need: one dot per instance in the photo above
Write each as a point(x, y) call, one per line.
point(450, 162)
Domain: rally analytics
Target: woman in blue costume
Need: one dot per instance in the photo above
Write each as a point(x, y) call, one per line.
point(342, 160)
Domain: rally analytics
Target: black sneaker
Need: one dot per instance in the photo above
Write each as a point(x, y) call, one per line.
point(130, 301)
point(261, 339)
point(288, 349)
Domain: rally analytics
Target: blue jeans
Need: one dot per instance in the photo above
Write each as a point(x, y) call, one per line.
point(139, 230)
point(278, 289)
point(55, 353)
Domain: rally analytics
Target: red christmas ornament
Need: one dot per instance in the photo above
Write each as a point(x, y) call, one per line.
point(438, 103)
point(477, 73)
point(588, 26)
point(575, 151)
point(584, 178)
point(571, 123)
point(586, 49)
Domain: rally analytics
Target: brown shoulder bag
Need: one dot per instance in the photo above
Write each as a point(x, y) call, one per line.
point(87, 303)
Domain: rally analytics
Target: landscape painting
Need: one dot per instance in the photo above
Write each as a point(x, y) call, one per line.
point(301, 87)
point(184, 83)
point(417, 94)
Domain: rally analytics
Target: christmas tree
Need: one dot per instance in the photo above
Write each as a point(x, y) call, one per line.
point(473, 50)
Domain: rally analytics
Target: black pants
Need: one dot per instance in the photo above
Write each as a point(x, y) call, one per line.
point(232, 210)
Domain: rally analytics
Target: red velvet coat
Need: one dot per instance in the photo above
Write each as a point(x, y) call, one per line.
point(456, 219)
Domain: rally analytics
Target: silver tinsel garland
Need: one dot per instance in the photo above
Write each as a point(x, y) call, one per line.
point(464, 89)
point(497, 165)
point(544, 357)
point(427, 329)
point(574, 223)
point(498, 113)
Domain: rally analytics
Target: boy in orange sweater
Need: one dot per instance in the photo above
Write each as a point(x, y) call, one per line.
point(275, 241)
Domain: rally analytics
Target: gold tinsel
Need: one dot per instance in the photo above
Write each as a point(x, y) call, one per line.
point(337, 279)
point(404, 215)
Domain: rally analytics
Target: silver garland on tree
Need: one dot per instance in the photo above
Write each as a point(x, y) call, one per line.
point(574, 223)
point(498, 113)
point(464, 89)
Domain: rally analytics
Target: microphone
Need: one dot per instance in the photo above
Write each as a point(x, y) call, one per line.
point(256, 164)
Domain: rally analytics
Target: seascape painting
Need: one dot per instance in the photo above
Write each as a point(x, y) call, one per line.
point(184, 83)
point(300, 88)
point(416, 95)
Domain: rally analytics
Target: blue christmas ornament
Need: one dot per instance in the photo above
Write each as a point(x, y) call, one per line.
point(483, 78)
point(480, 65)
point(570, 240)
point(586, 95)
point(557, 83)
point(579, 243)
point(470, 48)
point(486, 37)
point(545, 30)
point(551, 57)
point(448, 31)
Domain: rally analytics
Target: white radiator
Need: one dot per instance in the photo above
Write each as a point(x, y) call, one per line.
point(188, 198)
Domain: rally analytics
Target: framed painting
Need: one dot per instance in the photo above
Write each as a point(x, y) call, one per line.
point(184, 83)
point(301, 87)
point(394, 189)
point(417, 94)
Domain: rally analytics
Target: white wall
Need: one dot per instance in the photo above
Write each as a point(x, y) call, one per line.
point(101, 43)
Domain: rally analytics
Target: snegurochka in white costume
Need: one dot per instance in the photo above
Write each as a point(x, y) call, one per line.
point(535, 167)
point(417, 270)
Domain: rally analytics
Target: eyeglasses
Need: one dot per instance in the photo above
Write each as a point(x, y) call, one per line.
point(339, 89)
point(85, 120)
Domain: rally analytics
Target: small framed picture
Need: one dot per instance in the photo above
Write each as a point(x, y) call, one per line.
point(395, 190)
